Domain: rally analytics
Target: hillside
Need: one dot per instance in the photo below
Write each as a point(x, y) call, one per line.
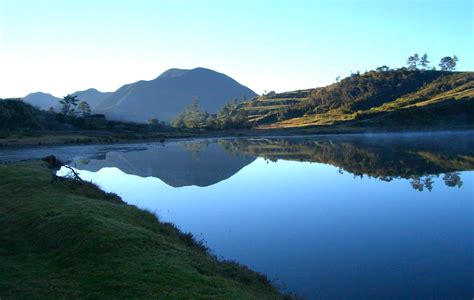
point(167, 95)
point(68, 239)
point(23, 124)
point(375, 98)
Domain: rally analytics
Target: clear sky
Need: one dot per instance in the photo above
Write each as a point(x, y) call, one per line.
point(61, 46)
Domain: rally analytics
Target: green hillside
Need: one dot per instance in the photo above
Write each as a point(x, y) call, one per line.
point(66, 239)
point(375, 98)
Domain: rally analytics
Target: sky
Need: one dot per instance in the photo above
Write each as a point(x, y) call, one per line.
point(63, 46)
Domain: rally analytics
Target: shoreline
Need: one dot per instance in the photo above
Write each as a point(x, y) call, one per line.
point(9, 140)
point(97, 234)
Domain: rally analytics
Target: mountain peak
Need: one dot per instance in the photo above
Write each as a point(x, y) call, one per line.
point(173, 73)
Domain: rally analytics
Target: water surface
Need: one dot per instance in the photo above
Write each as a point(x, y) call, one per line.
point(367, 216)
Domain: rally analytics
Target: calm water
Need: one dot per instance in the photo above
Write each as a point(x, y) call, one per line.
point(379, 216)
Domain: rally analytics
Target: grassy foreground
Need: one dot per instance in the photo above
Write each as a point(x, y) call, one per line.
point(65, 239)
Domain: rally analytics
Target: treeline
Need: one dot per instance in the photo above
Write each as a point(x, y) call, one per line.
point(229, 117)
point(415, 62)
point(16, 115)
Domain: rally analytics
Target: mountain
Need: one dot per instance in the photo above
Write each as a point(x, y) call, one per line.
point(42, 100)
point(167, 95)
point(375, 98)
point(91, 96)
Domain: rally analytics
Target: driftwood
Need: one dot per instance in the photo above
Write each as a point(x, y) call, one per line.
point(56, 164)
point(74, 173)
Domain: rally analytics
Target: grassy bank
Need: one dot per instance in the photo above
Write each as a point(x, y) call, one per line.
point(61, 238)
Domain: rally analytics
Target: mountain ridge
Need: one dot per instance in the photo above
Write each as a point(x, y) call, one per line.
point(167, 95)
point(163, 97)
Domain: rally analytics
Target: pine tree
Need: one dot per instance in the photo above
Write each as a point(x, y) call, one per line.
point(412, 62)
point(424, 61)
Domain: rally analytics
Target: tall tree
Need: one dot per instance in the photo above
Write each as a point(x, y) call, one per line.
point(412, 62)
point(84, 108)
point(424, 61)
point(448, 63)
point(69, 104)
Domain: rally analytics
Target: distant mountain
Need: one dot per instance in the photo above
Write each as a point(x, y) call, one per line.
point(91, 96)
point(167, 95)
point(42, 100)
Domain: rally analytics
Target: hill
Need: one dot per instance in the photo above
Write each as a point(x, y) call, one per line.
point(167, 95)
point(44, 101)
point(376, 98)
point(91, 96)
point(21, 123)
point(68, 239)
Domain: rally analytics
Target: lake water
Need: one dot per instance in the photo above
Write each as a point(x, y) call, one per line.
point(329, 217)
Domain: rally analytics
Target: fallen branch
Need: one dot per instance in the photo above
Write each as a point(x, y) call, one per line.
point(74, 173)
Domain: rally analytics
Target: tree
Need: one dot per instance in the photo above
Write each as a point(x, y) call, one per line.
point(153, 121)
point(84, 108)
point(227, 109)
point(51, 110)
point(193, 116)
point(69, 104)
point(412, 62)
point(448, 63)
point(424, 61)
point(382, 69)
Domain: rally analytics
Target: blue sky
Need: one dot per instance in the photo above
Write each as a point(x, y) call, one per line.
point(63, 46)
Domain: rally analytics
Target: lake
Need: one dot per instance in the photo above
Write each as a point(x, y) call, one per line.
point(349, 216)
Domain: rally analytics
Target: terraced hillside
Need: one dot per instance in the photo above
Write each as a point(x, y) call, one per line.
point(391, 98)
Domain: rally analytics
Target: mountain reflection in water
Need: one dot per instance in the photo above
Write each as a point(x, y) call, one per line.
point(331, 217)
point(417, 158)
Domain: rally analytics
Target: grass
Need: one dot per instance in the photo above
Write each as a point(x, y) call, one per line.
point(443, 95)
point(65, 239)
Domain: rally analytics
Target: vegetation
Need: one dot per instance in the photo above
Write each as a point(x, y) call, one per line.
point(69, 104)
point(416, 96)
point(14, 114)
point(17, 115)
point(65, 238)
point(84, 108)
point(374, 99)
point(448, 63)
point(195, 117)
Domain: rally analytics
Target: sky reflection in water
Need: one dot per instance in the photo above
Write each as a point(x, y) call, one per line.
point(301, 210)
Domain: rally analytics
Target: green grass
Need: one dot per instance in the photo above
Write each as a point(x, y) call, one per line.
point(64, 239)
point(395, 98)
